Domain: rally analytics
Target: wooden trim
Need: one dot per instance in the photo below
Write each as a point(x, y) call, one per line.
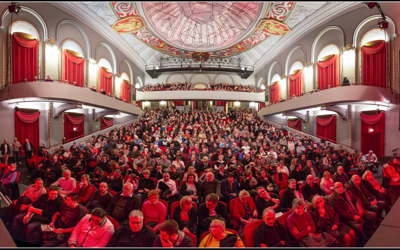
point(371, 112)
point(74, 114)
point(276, 82)
point(28, 110)
point(324, 116)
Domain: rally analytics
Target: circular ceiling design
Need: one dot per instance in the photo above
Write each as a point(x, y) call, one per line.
point(201, 26)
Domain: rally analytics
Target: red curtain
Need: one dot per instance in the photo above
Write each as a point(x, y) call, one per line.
point(373, 133)
point(105, 123)
point(295, 123)
point(326, 128)
point(195, 105)
point(139, 104)
point(262, 105)
point(74, 126)
point(275, 93)
point(105, 81)
point(26, 126)
point(220, 103)
point(296, 84)
point(328, 73)
point(374, 65)
point(24, 58)
point(73, 68)
point(179, 103)
point(126, 91)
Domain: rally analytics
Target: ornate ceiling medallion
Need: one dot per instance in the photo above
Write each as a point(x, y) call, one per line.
point(200, 56)
point(273, 27)
point(129, 24)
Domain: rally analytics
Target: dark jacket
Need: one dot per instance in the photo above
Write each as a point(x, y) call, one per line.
point(272, 236)
point(182, 241)
point(210, 187)
point(363, 194)
point(25, 147)
point(226, 188)
point(340, 205)
point(324, 224)
point(343, 179)
point(184, 187)
point(192, 218)
point(306, 170)
point(2, 149)
point(309, 192)
point(124, 237)
point(146, 183)
point(49, 207)
point(221, 210)
point(135, 203)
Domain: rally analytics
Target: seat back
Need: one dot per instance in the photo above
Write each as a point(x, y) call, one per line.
point(152, 229)
point(155, 180)
point(163, 202)
point(193, 237)
point(112, 192)
point(114, 222)
point(248, 232)
point(232, 205)
point(18, 175)
point(301, 188)
point(84, 208)
point(174, 205)
point(281, 193)
point(319, 182)
point(283, 219)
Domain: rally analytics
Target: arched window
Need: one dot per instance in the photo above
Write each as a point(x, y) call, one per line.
point(25, 46)
point(296, 80)
point(374, 49)
point(328, 67)
point(105, 77)
point(125, 88)
point(73, 63)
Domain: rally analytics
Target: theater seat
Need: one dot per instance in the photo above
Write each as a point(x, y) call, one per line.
point(248, 232)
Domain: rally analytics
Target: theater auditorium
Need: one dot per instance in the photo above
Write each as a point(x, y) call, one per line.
point(199, 124)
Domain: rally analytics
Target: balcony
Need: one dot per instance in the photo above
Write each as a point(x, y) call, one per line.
point(200, 95)
point(55, 91)
point(340, 95)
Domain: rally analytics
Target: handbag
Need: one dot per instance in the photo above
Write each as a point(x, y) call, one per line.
point(318, 240)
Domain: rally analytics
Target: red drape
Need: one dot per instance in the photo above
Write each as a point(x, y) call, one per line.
point(373, 133)
point(295, 123)
point(220, 103)
point(27, 127)
point(73, 68)
point(179, 103)
point(275, 93)
point(296, 84)
point(24, 58)
point(326, 128)
point(374, 65)
point(262, 105)
point(195, 105)
point(139, 104)
point(126, 91)
point(328, 73)
point(105, 123)
point(74, 126)
point(105, 81)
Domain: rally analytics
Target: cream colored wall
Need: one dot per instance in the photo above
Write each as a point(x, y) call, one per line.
point(52, 55)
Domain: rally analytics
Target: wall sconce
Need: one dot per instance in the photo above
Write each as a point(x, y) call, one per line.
point(371, 130)
point(74, 129)
point(308, 63)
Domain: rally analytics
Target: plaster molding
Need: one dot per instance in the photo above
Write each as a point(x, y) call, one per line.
point(298, 114)
point(323, 15)
point(101, 114)
point(208, 77)
point(342, 112)
point(369, 19)
point(320, 34)
point(130, 70)
point(64, 107)
point(89, 18)
point(77, 25)
point(270, 71)
point(111, 52)
point(221, 74)
point(169, 76)
point(35, 14)
point(290, 55)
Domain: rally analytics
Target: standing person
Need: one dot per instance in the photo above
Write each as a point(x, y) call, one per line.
point(29, 150)
point(16, 145)
point(5, 151)
point(93, 230)
point(171, 236)
point(271, 233)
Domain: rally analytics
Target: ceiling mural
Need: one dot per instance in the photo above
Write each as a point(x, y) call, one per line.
point(223, 29)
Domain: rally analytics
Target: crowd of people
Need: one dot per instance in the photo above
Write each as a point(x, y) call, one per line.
point(173, 177)
point(176, 86)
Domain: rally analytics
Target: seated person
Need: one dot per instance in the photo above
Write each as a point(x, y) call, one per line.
point(230, 188)
point(300, 223)
point(171, 236)
point(327, 220)
point(66, 184)
point(158, 172)
point(210, 185)
point(84, 189)
point(32, 193)
point(311, 169)
point(244, 211)
point(175, 174)
point(41, 211)
point(264, 179)
point(10, 176)
point(375, 188)
point(290, 194)
point(123, 203)
point(167, 187)
point(219, 237)
point(145, 185)
point(154, 211)
point(100, 198)
point(64, 222)
point(86, 233)
point(209, 210)
point(191, 170)
point(266, 200)
point(327, 183)
point(185, 215)
point(115, 181)
point(340, 176)
point(98, 177)
point(271, 233)
point(310, 188)
point(191, 188)
point(133, 233)
point(282, 168)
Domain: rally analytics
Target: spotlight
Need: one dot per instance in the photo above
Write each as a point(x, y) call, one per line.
point(13, 8)
point(371, 5)
point(383, 24)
